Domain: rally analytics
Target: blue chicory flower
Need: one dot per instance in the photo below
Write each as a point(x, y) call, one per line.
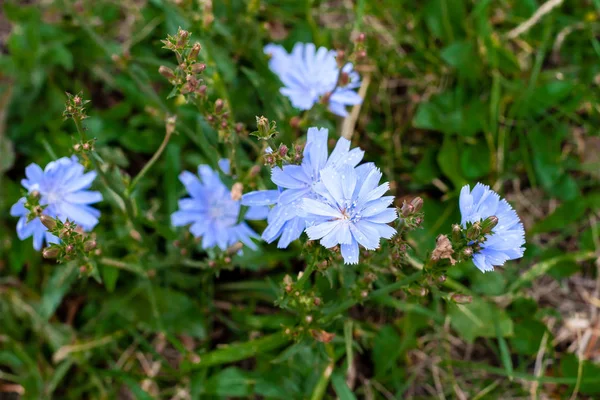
point(350, 210)
point(508, 236)
point(212, 213)
point(62, 186)
point(286, 220)
point(308, 74)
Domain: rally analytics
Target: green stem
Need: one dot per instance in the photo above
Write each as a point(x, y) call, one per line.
point(305, 275)
point(150, 164)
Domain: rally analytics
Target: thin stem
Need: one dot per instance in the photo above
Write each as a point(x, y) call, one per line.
point(79, 127)
point(305, 275)
point(149, 164)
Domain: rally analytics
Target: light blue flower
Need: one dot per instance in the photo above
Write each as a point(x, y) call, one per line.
point(62, 187)
point(308, 74)
point(287, 220)
point(350, 210)
point(213, 215)
point(507, 238)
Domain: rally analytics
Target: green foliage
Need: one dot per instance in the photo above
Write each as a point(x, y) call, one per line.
point(452, 100)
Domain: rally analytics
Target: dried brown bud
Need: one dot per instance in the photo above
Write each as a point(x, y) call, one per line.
point(182, 39)
point(48, 222)
point(295, 122)
point(166, 72)
point(443, 249)
point(461, 298)
point(468, 252)
point(321, 335)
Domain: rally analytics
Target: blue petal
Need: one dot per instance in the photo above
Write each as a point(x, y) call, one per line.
point(260, 198)
point(350, 253)
point(225, 165)
point(257, 213)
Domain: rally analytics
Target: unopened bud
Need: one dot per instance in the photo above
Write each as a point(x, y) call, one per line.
point(317, 301)
point(283, 150)
point(219, 105)
point(441, 278)
point(166, 72)
point(361, 54)
point(239, 127)
point(201, 90)
point(344, 79)
point(77, 100)
point(183, 38)
point(69, 248)
point(48, 222)
point(77, 147)
point(194, 51)
point(35, 194)
point(340, 57)
point(364, 294)
point(295, 122)
point(456, 232)
point(50, 252)
point(86, 146)
point(461, 298)
point(262, 124)
point(198, 68)
point(254, 171)
point(407, 209)
point(474, 231)
point(417, 204)
point(468, 252)
point(89, 245)
point(224, 124)
point(489, 224)
point(236, 191)
point(227, 260)
point(361, 37)
point(308, 319)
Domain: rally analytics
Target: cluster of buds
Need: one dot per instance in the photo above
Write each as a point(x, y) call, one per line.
point(32, 204)
point(463, 242)
point(410, 213)
point(295, 297)
point(84, 146)
point(75, 107)
point(75, 244)
point(186, 78)
point(220, 120)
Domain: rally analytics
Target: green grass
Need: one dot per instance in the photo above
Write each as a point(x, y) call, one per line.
point(452, 100)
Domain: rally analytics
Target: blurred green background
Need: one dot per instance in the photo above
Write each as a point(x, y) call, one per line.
point(504, 92)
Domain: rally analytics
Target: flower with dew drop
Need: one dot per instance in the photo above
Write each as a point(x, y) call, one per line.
point(212, 213)
point(506, 239)
point(286, 219)
point(308, 74)
point(351, 210)
point(62, 186)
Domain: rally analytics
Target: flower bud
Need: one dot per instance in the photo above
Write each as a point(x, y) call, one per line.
point(48, 222)
point(489, 224)
point(317, 301)
point(344, 79)
point(194, 51)
point(224, 124)
point(468, 252)
point(236, 191)
point(263, 126)
point(198, 68)
point(361, 54)
point(283, 150)
point(69, 248)
point(407, 209)
point(50, 252)
point(474, 231)
point(417, 204)
point(201, 90)
point(219, 105)
point(166, 72)
point(361, 37)
point(35, 194)
point(239, 127)
point(89, 245)
point(461, 298)
point(456, 232)
point(182, 39)
point(340, 57)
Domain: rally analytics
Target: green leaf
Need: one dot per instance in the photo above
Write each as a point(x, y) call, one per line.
point(59, 284)
point(341, 389)
point(478, 319)
point(229, 382)
point(475, 161)
point(386, 349)
point(448, 160)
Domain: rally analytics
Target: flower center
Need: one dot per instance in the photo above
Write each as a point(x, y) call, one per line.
point(349, 212)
